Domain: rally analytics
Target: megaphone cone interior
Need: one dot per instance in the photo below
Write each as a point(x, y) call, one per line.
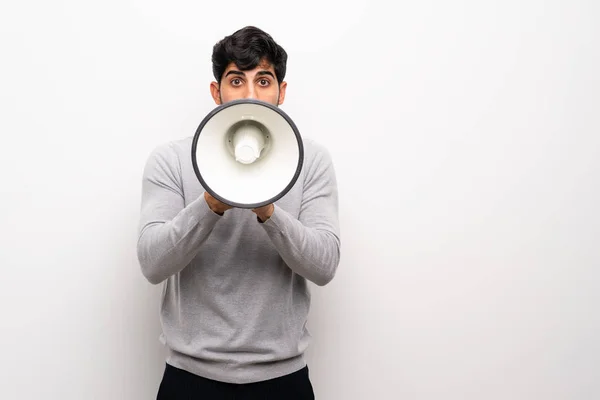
point(248, 143)
point(247, 153)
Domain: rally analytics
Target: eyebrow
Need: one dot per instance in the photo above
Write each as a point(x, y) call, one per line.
point(259, 73)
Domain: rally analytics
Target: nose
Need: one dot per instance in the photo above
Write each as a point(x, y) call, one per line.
point(251, 94)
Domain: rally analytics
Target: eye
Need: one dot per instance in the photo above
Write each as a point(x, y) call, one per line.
point(264, 82)
point(236, 82)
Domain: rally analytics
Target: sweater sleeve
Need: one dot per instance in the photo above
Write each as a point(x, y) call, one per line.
point(170, 234)
point(310, 245)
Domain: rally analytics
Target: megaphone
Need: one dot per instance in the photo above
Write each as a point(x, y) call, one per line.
point(247, 153)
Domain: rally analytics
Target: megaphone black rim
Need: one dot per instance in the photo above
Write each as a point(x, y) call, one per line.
point(220, 108)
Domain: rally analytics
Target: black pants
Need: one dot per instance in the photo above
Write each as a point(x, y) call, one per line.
point(178, 384)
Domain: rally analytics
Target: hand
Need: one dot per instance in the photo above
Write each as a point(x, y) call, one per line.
point(216, 205)
point(264, 212)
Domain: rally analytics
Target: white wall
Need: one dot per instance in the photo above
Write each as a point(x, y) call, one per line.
point(466, 140)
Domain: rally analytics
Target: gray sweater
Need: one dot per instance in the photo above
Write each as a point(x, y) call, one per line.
point(235, 295)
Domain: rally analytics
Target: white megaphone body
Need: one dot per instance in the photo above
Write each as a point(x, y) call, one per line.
point(247, 153)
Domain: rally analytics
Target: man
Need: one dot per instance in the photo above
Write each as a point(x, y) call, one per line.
point(235, 293)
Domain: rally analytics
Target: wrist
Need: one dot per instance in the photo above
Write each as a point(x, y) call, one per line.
point(218, 212)
point(265, 213)
point(214, 207)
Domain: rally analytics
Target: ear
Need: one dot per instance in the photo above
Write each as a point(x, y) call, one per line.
point(282, 88)
point(214, 92)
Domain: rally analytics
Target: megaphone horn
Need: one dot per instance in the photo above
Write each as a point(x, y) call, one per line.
point(247, 153)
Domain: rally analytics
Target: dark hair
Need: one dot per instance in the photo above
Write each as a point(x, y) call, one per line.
point(247, 47)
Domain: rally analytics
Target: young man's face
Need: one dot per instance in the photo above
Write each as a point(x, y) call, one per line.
point(259, 83)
